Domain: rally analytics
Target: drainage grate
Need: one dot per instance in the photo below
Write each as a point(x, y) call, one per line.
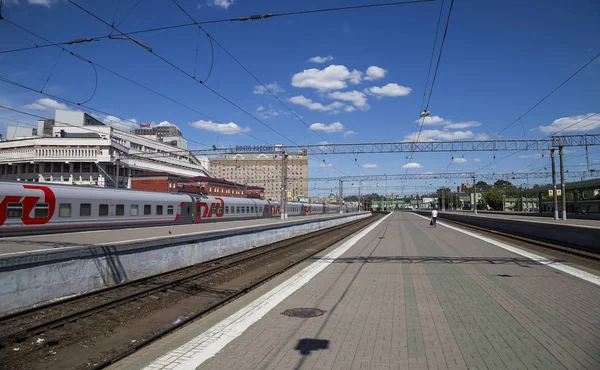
point(303, 312)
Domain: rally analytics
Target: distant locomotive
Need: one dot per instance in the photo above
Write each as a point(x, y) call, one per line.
point(33, 208)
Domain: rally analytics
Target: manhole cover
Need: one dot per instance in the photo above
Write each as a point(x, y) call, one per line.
point(303, 312)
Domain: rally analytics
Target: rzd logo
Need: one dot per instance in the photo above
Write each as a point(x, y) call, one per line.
point(206, 210)
point(29, 203)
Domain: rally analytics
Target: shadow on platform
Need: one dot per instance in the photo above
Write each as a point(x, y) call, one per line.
point(522, 262)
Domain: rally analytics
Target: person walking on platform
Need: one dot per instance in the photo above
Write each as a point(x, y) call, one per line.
point(434, 215)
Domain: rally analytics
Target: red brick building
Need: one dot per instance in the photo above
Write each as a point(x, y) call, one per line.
point(154, 181)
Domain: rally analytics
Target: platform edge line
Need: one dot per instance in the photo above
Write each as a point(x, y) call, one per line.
point(590, 278)
point(206, 345)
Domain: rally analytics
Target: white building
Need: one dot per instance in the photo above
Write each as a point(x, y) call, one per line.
point(75, 148)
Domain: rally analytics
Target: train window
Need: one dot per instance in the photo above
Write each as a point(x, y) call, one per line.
point(169, 210)
point(243, 209)
point(147, 209)
point(237, 209)
point(41, 210)
point(85, 209)
point(64, 210)
point(214, 209)
point(247, 209)
point(120, 210)
point(134, 210)
point(159, 210)
point(103, 210)
point(226, 209)
point(14, 210)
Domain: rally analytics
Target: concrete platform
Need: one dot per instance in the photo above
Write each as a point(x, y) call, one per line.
point(402, 295)
point(538, 219)
point(52, 242)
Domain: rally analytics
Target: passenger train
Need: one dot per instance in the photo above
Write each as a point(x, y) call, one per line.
point(33, 208)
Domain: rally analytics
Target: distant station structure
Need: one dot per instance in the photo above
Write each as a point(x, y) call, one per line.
point(76, 148)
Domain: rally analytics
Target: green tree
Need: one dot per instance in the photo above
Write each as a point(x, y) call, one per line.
point(493, 198)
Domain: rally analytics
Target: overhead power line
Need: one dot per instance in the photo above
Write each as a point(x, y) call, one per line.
point(126, 79)
point(239, 19)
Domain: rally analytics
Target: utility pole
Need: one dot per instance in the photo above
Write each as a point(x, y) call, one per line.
point(443, 200)
point(555, 195)
point(284, 180)
point(117, 176)
point(562, 183)
point(341, 195)
point(474, 195)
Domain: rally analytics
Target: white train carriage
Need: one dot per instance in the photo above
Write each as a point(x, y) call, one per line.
point(28, 206)
point(212, 208)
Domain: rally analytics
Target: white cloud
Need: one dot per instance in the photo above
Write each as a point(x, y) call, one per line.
point(356, 97)
point(432, 120)
point(266, 112)
point(46, 104)
point(349, 109)
point(349, 132)
point(319, 59)
point(225, 4)
point(308, 103)
point(274, 88)
point(461, 125)
point(325, 165)
point(375, 73)
point(260, 108)
point(370, 165)
point(392, 89)
point(459, 160)
point(481, 137)
point(334, 77)
point(45, 3)
point(333, 127)
point(531, 156)
point(573, 124)
point(221, 128)
point(439, 135)
point(476, 160)
point(121, 124)
point(412, 165)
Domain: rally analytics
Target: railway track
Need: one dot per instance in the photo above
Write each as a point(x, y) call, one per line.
point(48, 320)
point(544, 244)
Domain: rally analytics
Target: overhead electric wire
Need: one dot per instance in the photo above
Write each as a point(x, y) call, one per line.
point(184, 72)
point(246, 18)
point(251, 74)
point(435, 72)
point(547, 96)
point(187, 74)
point(129, 80)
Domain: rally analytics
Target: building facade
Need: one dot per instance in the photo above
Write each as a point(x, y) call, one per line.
point(75, 148)
point(163, 182)
point(264, 171)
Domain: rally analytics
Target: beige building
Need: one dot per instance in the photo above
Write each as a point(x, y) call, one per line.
point(264, 170)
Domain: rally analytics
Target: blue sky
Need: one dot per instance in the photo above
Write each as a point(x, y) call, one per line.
point(500, 58)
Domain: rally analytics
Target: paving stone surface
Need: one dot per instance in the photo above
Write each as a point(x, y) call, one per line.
point(408, 296)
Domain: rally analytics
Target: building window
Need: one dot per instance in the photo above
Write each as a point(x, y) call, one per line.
point(85, 209)
point(103, 210)
point(133, 210)
point(147, 209)
point(64, 210)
